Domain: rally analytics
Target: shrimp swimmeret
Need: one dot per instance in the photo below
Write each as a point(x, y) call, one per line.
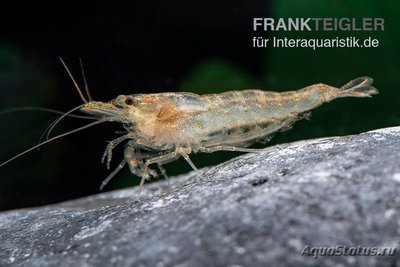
point(165, 126)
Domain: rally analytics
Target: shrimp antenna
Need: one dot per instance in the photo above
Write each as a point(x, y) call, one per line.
point(45, 110)
point(84, 80)
point(52, 139)
point(54, 123)
point(73, 80)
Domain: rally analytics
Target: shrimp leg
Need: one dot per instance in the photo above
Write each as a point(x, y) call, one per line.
point(163, 172)
point(188, 160)
point(165, 159)
point(136, 164)
point(111, 145)
point(159, 160)
point(162, 159)
point(172, 156)
point(147, 155)
point(111, 175)
point(228, 148)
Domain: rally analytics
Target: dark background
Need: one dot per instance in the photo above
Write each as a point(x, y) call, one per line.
point(155, 46)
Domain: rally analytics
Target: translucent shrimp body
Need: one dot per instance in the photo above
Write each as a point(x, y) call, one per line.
point(162, 127)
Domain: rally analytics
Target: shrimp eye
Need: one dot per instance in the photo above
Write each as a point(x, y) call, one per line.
point(129, 100)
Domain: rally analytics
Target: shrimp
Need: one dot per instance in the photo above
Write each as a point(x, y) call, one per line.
point(162, 127)
point(167, 126)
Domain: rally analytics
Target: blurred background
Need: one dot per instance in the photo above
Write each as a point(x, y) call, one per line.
point(155, 46)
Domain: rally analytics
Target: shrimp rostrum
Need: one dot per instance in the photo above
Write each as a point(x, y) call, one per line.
point(165, 126)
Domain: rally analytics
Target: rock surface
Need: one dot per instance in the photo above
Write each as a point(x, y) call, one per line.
point(260, 209)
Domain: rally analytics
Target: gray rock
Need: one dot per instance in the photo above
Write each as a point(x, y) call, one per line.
point(260, 209)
